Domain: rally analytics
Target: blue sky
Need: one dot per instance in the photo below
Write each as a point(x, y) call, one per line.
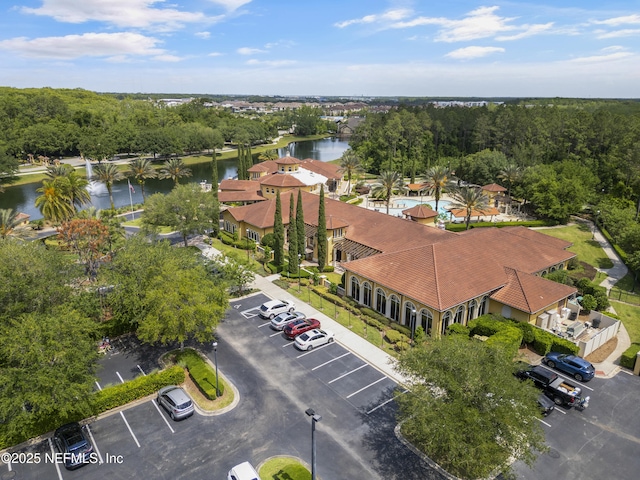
point(307, 47)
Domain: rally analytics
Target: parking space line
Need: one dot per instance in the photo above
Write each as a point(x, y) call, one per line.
point(288, 345)
point(274, 334)
point(140, 368)
point(364, 388)
point(348, 373)
point(542, 421)
point(264, 324)
point(98, 385)
point(380, 406)
point(155, 404)
point(308, 352)
point(130, 431)
point(250, 313)
point(332, 360)
point(93, 441)
point(55, 463)
point(558, 410)
point(121, 379)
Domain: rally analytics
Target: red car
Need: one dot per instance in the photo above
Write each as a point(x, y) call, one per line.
point(302, 325)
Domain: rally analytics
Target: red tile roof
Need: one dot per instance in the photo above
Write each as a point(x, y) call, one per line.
point(242, 196)
point(462, 212)
point(239, 185)
point(420, 211)
point(329, 170)
point(288, 160)
point(281, 180)
point(494, 187)
point(263, 167)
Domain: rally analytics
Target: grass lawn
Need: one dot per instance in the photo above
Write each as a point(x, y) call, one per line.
point(630, 316)
point(284, 468)
point(238, 254)
point(138, 223)
point(588, 250)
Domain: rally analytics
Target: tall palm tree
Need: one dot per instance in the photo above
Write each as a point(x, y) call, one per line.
point(436, 180)
point(75, 187)
point(54, 203)
point(175, 169)
point(270, 154)
point(470, 199)
point(55, 171)
point(388, 183)
point(510, 174)
point(141, 169)
point(350, 164)
point(107, 173)
point(11, 225)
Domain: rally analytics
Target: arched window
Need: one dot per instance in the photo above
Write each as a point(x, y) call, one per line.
point(446, 321)
point(483, 306)
point(426, 320)
point(355, 289)
point(561, 266)
point(366, 294)
point(408, 314)
point(472, 310)
point(394, 312)
point(459, 314)
point(381, 301)
point(553, 269)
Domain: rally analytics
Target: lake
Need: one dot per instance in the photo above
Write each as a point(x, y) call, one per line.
point(22, 198)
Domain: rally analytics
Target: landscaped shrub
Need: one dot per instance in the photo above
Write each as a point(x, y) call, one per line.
point(393, 336)
point(500, 331)
point(458, 329)
point(303, 274)
point(402, 346)
point(508, 338)
point(528, 331)
point(458, 227)
point(542, 341)
point(267, 240)
point(562, 345)
point(328, 269)
point(589, 302)
point(373, 314)
point(629, 356)
point(200, 372)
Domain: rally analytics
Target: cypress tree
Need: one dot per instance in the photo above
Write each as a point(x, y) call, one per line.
point(293, 239)
point(215, 220)
point(322, 233)
point(302, 238)
point(278, 234)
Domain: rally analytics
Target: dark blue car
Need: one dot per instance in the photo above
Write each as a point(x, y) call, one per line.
point(577, 367)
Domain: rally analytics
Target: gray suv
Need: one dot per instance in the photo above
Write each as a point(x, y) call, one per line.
point(72, 442)
point(175, 401)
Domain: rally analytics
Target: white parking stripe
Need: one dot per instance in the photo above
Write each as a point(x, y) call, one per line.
point(98, 385)
point(95, 445)
point(559, 410)
point(364, 388)
point(118, 373)
point(55, 463)
point(348, 373)
point(288, 345)
point(155, 404)
point(140, 368)
point(130, 431)
point(315, 350)
point(264, 324)
point(332, 360)
point(542, 421)
point(380, 406)
point(274, 334)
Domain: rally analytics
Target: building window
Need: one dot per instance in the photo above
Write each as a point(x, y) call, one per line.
point(483, 306)
point(446, 321)
point(251, 235)
point(472, 310)
point(459, 315)
point(230, 227)
point(408, 312)
point(337, 233)
point(394, 312)
point(366, 294)
point(426, 320)
point(381, 302)
point(355, 289)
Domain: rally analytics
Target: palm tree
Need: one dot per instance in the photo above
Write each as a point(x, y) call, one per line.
point(107, 173)
point(388, 183)
point(75, 188)
point(175, 169)
point(436, 179)
point(270, 154)
point(55, 171)
point(469, 199)
point(510, 174)
point(141, 169)
point(54, 203)
point(350, 164)
point(11, 225)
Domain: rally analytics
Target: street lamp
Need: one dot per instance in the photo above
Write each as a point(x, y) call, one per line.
point(215, 358)
point(413, 324)
point(314, 418)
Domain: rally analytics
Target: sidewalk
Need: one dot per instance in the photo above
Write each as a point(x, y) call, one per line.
point(345, 337)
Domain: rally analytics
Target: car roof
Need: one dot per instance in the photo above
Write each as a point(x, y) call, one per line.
point(543, 372)
point(245, 471)
point(177, 394)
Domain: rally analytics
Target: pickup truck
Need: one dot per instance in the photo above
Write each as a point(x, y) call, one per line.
point(561, 391)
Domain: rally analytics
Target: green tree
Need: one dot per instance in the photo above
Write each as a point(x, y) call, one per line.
point(270, 154)
point(141, 170)
point(108, 174)
point(87, 238)
point(388, 183)
point(322, 233)
point(306, 120)
point(237, 272)
point(54, 203)
point(470, 199)
point(350, 165)
point(214, 177)
point(278, 233)
point(175, 169)
point(11, 225)
point(75, 188)
point(470, 422)
point(437, 179)
point(187, 209)
point(9, 166)
point(300, 230)
point(510, 174)
point(292, 233)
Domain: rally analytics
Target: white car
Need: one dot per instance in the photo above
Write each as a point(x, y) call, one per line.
point(244, 471)
point(275, 307)
point(314, 338)
point(284, 319)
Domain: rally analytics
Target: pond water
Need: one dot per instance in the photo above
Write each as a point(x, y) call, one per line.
point(22, 198)
point(404, 203)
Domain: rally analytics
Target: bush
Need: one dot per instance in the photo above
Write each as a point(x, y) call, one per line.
point(589, 302)
point(508, 338)
point(267, 240)
point(393, 336)
point(200, 372)
point(542, 341)
point(562, 345)
point(402, 346)
point(628, 358)
point(333, 288)
point(328, 269)
point(458, 227)
point(458, 329)
point(375, 315)
point(528, 332)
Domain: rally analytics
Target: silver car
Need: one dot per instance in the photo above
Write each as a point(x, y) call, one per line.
point(175, 401)
point(244, 471)
point(285, 318)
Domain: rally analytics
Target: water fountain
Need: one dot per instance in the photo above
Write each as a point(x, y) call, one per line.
point(94, 188)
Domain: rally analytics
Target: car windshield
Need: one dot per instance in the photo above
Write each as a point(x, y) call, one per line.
point(304, 337)
point(184, 405)
point(264, 308)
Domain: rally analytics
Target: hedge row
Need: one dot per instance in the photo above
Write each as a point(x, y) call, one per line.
point(200, 372)
point(243, 243)
point(458, 227)
point(303, 274)
point(545, 342)
point(500, 332)
point(628, 358)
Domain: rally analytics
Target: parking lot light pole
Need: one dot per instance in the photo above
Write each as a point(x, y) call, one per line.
point(215, 359)
point(314, 418)
point(413, 324)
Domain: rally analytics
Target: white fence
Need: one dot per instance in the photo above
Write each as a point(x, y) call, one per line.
point(609, 329)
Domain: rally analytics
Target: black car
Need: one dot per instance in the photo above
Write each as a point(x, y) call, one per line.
point(546, 404)
point(72, 442)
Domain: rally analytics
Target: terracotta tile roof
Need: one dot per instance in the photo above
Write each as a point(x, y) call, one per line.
point(538, 236)
point(21, 217)
point(420, 211)
point(530, 293)
point(262, 167)
point(329, 170)
point(281, 180)
point(239, 185)
point(416, 187)
point(288, 160)
point(494, 187)
point(462, 212)
point(240, 196)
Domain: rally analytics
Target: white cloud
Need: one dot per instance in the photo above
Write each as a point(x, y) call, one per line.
point(390, 15)
point(231, 5)
point(86, 45)
point(249, 51)
point(529, 30)
point(270, 63)
point(122, 13)
point(215, 54)
point(167, 58)
point(203, 35)
point(613, 48)
point(615, 21)
point(473, 52)
point(625, 32)
point(601, 58)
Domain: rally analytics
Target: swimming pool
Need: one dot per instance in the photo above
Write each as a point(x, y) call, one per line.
point(409, 202)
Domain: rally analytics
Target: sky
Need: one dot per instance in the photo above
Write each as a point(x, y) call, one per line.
point(427, 48)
